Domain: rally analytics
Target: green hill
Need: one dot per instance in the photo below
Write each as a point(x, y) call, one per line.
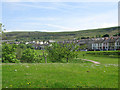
point(60, 35)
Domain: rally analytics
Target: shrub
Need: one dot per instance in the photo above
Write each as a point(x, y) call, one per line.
point(30, 56)
point(8, 53)
point(58, 52)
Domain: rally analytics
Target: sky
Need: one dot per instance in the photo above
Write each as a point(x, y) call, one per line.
point(19, 15)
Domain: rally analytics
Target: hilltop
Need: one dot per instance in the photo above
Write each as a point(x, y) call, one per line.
point(61, 35)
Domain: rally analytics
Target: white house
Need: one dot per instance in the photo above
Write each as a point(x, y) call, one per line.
point(51, 41)
point(41, 42)
point(112, 43)
point(117, 44)
point(27, 43)
point(97, 45)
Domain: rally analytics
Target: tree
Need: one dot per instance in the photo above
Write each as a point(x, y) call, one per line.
point(78, 38)
point(84, 46)
point(69, 51)
point(18, 52)
point(117, 34)
point(100, 36)
point(59, 51)
point(96, 36)
point(2, 31)
point(54, 53)
point(8, 53)
point(29, 46)
point(85, 37)
point(30, 56)
point(106, 35)
point(22, 46)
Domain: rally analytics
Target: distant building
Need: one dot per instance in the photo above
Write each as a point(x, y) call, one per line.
point(117, 44)
point(97, 45)
point(41, 42)
point(51, 41)
point(112, 43)
point(26, 42)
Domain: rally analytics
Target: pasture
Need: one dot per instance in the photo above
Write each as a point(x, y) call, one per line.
point(77, 74)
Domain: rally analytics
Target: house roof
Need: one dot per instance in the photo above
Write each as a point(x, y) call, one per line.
point(99, 41)
point(118, 40)
point(112, 40)
point(88, 41)
point(106, 41)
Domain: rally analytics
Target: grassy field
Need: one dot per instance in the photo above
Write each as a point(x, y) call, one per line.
point(60, 76)
point(63, 75)
point(103, 59)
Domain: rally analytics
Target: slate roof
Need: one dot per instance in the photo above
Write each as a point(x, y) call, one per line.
point(118, 39)
point(106, 41)
point(109, 40)
point(112, 40)
point(99, 41)
point(85, 41)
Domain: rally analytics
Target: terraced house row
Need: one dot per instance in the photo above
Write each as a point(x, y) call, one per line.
point(112, 43)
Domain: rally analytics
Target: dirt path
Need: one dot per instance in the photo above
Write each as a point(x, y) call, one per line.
point(92, 61)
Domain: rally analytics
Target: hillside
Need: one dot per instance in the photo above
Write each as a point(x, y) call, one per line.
point(60, 35)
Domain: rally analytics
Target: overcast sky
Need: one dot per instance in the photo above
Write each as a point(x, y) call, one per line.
point(58, 16)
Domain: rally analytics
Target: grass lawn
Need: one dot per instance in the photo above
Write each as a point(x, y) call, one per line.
point(59, 75)
point(63, 75)
point(102, 59)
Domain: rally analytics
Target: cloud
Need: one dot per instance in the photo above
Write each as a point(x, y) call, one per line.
point(40, 19)
point(103, 20)
point(34, 5)
point(60, 0)
point(108, 25)
point(32, 19)
point(68, 22)
point(58, 26)
point(12, 0)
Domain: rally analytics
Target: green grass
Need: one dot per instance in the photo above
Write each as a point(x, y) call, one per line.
point(60, 75)
point(63, 75)
point(102, 59)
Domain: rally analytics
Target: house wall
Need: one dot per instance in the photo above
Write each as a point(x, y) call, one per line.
point(117, 45)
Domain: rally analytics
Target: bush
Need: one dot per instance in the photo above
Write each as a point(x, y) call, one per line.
point(8, 53)
point(59, 52)
point(106, 35)
point(30, 56)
